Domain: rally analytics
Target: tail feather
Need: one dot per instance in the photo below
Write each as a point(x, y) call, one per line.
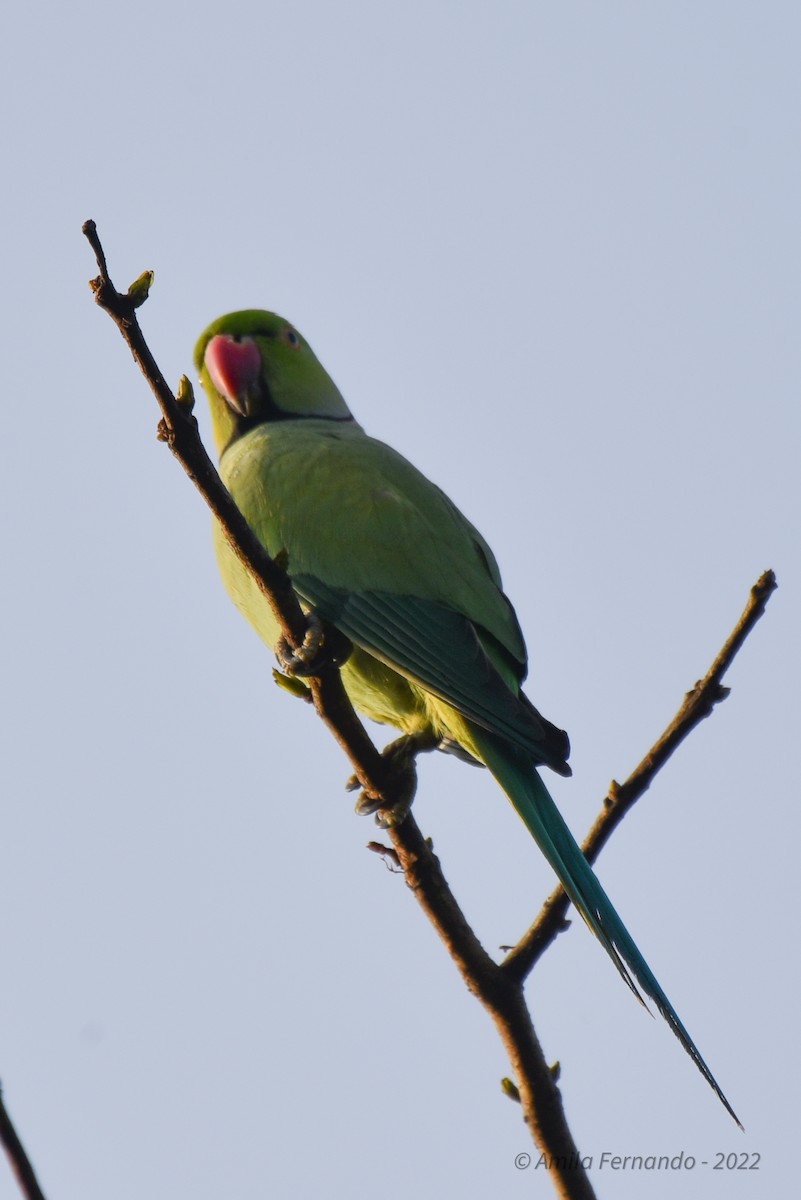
point(542, 818)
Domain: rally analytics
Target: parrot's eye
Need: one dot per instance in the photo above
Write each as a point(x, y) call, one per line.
point(292, 338)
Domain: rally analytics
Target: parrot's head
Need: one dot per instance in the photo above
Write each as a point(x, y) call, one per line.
point(255, 367)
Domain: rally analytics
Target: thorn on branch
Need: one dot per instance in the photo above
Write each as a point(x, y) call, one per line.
point(389, 855)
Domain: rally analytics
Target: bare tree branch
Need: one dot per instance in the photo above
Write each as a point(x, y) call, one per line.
point(178, 428)
point(20, 1163)
point(698, 703)
point(498, 987)
point(503, 998)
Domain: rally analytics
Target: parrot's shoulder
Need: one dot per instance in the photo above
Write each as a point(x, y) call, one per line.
point(311, 463)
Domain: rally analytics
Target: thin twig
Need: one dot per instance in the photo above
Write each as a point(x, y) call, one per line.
point(698, 703)
point(20, 1163)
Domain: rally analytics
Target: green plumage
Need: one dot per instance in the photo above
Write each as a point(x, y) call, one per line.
point(380, 552)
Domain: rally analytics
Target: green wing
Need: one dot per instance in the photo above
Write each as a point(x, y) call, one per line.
point(440, 650)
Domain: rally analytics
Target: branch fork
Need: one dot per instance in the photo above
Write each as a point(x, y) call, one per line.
point(498, 986)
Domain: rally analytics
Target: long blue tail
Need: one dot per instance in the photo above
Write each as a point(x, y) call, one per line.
point(542, 818)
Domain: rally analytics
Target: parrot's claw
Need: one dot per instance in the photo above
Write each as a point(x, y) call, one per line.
point(297, 661)
point(320, 648)
point(396, 814)
point(401, 757)
point(387, 815)
point(366, 803)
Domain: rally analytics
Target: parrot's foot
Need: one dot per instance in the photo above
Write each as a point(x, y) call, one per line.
point(322, 647)
point(401, 757)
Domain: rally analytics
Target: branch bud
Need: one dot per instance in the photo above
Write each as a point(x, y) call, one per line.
point(140, 288)
point(185, 396)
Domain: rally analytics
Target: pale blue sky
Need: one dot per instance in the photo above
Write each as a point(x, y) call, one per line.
point(551, 253)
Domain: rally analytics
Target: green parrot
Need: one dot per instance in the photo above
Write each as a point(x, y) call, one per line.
point(379, 552)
